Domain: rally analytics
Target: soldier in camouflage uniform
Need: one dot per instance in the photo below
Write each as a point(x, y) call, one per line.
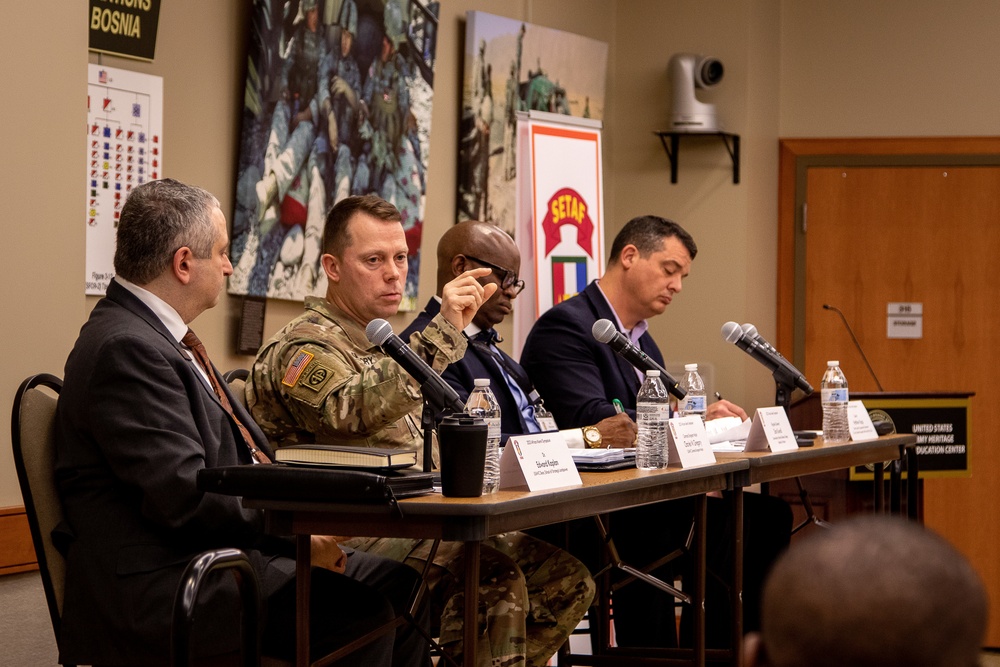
point(320, 379)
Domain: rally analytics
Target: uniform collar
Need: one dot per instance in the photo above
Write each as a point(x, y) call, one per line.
point(351, 328)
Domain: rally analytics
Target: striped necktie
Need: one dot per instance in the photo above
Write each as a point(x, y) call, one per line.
point(201, 356)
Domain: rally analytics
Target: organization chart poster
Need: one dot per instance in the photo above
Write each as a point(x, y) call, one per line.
point(124, 150)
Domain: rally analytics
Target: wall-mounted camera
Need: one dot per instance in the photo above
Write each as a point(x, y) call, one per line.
point(687, 72)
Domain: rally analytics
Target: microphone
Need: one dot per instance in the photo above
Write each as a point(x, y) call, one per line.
point(604, 331)
point(856, 343)
point(763, 352)
point(751, 330)
point(435, 390)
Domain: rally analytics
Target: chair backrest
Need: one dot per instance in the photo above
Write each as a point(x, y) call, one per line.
point(237, 380)
point(33, 438)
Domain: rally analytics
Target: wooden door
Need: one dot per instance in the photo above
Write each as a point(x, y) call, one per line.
point(879, 233)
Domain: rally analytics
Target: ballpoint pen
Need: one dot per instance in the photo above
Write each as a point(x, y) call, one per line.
point(718, 396)
point(619, 408)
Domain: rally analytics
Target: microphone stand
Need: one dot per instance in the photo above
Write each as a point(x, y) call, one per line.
point(784, 385)
point(435, 402)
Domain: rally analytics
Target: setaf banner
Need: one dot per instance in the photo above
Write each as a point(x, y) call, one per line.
point(124, 27)
point(560, 228)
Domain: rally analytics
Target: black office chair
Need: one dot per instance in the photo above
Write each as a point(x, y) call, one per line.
point(186, 600)
point(32, 427)
point(237, 381)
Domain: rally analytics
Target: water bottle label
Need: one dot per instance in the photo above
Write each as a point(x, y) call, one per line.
point(493, 428)
point(694, 404)
point(652, 411)
point(838, 395)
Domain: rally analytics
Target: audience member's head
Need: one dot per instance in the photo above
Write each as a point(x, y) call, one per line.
point(870, 592)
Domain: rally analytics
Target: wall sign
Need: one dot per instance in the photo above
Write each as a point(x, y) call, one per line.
point(905, 320)
point(124, 27)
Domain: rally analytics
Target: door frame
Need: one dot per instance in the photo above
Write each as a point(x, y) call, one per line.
point(796, 156)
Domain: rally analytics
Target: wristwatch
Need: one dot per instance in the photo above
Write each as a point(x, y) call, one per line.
point(592, 437)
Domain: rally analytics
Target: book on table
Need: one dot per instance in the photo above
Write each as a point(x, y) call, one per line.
point(347, 457)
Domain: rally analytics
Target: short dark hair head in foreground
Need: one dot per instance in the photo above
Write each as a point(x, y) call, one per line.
point(875, 591)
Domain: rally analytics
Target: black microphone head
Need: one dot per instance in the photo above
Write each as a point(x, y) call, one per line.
point(378, 331)
point(827, 306)
point(604, 331)
point(732, 332)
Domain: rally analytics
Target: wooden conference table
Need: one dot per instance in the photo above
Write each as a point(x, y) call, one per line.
point(471, 520)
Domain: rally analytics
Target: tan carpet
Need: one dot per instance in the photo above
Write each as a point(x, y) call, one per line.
point(26, 633)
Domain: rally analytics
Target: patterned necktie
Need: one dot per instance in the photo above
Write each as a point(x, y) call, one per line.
point(201, 356)
point(486, 340)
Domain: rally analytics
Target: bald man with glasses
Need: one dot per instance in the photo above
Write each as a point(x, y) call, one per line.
point(473, 244)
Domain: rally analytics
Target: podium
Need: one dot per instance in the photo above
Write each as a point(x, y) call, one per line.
point(940, 420)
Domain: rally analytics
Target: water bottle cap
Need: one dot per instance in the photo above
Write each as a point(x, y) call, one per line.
point(652, 374)
point(482, 382)
point(691, 368)
point(831, 364)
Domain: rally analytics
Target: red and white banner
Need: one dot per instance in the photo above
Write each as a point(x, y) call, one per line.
point(560, 204)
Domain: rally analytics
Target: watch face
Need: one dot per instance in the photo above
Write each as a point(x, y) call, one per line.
point(592, 435)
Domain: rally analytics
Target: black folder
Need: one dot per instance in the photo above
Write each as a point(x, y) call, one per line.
point(324, 484)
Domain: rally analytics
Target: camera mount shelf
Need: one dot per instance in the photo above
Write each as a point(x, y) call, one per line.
point(672, 148)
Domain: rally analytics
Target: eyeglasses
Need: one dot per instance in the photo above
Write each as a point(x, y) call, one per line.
point(508, 278)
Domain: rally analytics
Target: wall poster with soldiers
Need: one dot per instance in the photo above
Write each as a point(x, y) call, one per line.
point(513, 66)
point(337, 102)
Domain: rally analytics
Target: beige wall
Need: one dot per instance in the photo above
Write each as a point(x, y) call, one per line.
point(824, 68)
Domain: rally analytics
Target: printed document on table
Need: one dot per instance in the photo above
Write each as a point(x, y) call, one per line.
point(728, 434)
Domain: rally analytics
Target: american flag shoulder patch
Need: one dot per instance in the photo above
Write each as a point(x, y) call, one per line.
point(296, 368)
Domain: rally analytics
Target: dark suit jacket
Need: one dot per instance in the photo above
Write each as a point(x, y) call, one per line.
point(476, 364)
point(135, 423)
point(577, 375)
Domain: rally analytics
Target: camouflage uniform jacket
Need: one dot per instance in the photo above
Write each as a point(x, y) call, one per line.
point(320, 380)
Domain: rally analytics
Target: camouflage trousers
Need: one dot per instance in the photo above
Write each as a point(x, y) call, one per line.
point(531, 594)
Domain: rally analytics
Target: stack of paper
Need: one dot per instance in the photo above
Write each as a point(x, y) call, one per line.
point(599, 455)
point(728, 434)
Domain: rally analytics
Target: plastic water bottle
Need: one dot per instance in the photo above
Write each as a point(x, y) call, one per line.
point(695, 402)
point(834, 397)
point(651, 414)
point(482, 403)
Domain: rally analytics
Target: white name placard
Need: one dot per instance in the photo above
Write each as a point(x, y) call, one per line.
point(770, 430)
point(688, 442)
point(538, 462)
point(859, 423)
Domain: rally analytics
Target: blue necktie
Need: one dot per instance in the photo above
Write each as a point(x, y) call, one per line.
point(487, 339)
